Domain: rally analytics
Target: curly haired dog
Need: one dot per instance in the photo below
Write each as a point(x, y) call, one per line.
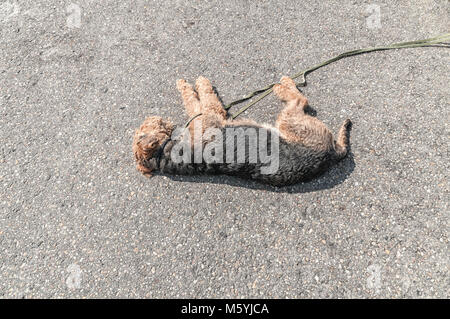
point(301, 145)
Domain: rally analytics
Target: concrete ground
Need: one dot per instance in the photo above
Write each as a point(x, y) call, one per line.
point(78, 220)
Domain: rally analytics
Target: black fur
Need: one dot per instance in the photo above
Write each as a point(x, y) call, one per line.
point(296, 162)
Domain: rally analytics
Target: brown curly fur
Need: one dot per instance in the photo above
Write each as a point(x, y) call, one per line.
point(293, 125)
point(148, 138)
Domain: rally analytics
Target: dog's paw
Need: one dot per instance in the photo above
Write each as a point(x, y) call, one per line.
point(278, 89)
point(181, 84)
point(288, 82)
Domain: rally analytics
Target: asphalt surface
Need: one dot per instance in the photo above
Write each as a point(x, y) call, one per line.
point(78, 220)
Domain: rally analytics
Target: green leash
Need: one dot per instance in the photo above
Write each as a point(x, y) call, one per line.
point(436, 41)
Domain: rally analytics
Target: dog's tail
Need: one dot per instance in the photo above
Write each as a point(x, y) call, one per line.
point(343, 139)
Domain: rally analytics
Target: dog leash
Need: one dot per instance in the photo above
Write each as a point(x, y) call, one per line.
point(430, 42)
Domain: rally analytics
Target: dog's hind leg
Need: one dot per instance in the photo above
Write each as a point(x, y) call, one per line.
point(288, 92)
point(190, 98)
point(296, 126)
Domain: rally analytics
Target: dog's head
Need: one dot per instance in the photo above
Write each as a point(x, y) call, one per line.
point(147, 141)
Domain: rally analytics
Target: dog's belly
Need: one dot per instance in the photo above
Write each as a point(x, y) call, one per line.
point(259, 154)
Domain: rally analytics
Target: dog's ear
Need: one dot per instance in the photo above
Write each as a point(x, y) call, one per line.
point(149, 144)
point(144, 147)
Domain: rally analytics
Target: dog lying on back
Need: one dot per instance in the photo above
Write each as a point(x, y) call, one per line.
point(296, 149)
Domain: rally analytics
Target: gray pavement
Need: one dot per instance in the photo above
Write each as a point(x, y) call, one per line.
point(77, 219)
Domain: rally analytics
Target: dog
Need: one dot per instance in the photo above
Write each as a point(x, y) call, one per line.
point(301, 147)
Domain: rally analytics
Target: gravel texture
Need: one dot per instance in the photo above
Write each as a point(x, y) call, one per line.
point(78, 220)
